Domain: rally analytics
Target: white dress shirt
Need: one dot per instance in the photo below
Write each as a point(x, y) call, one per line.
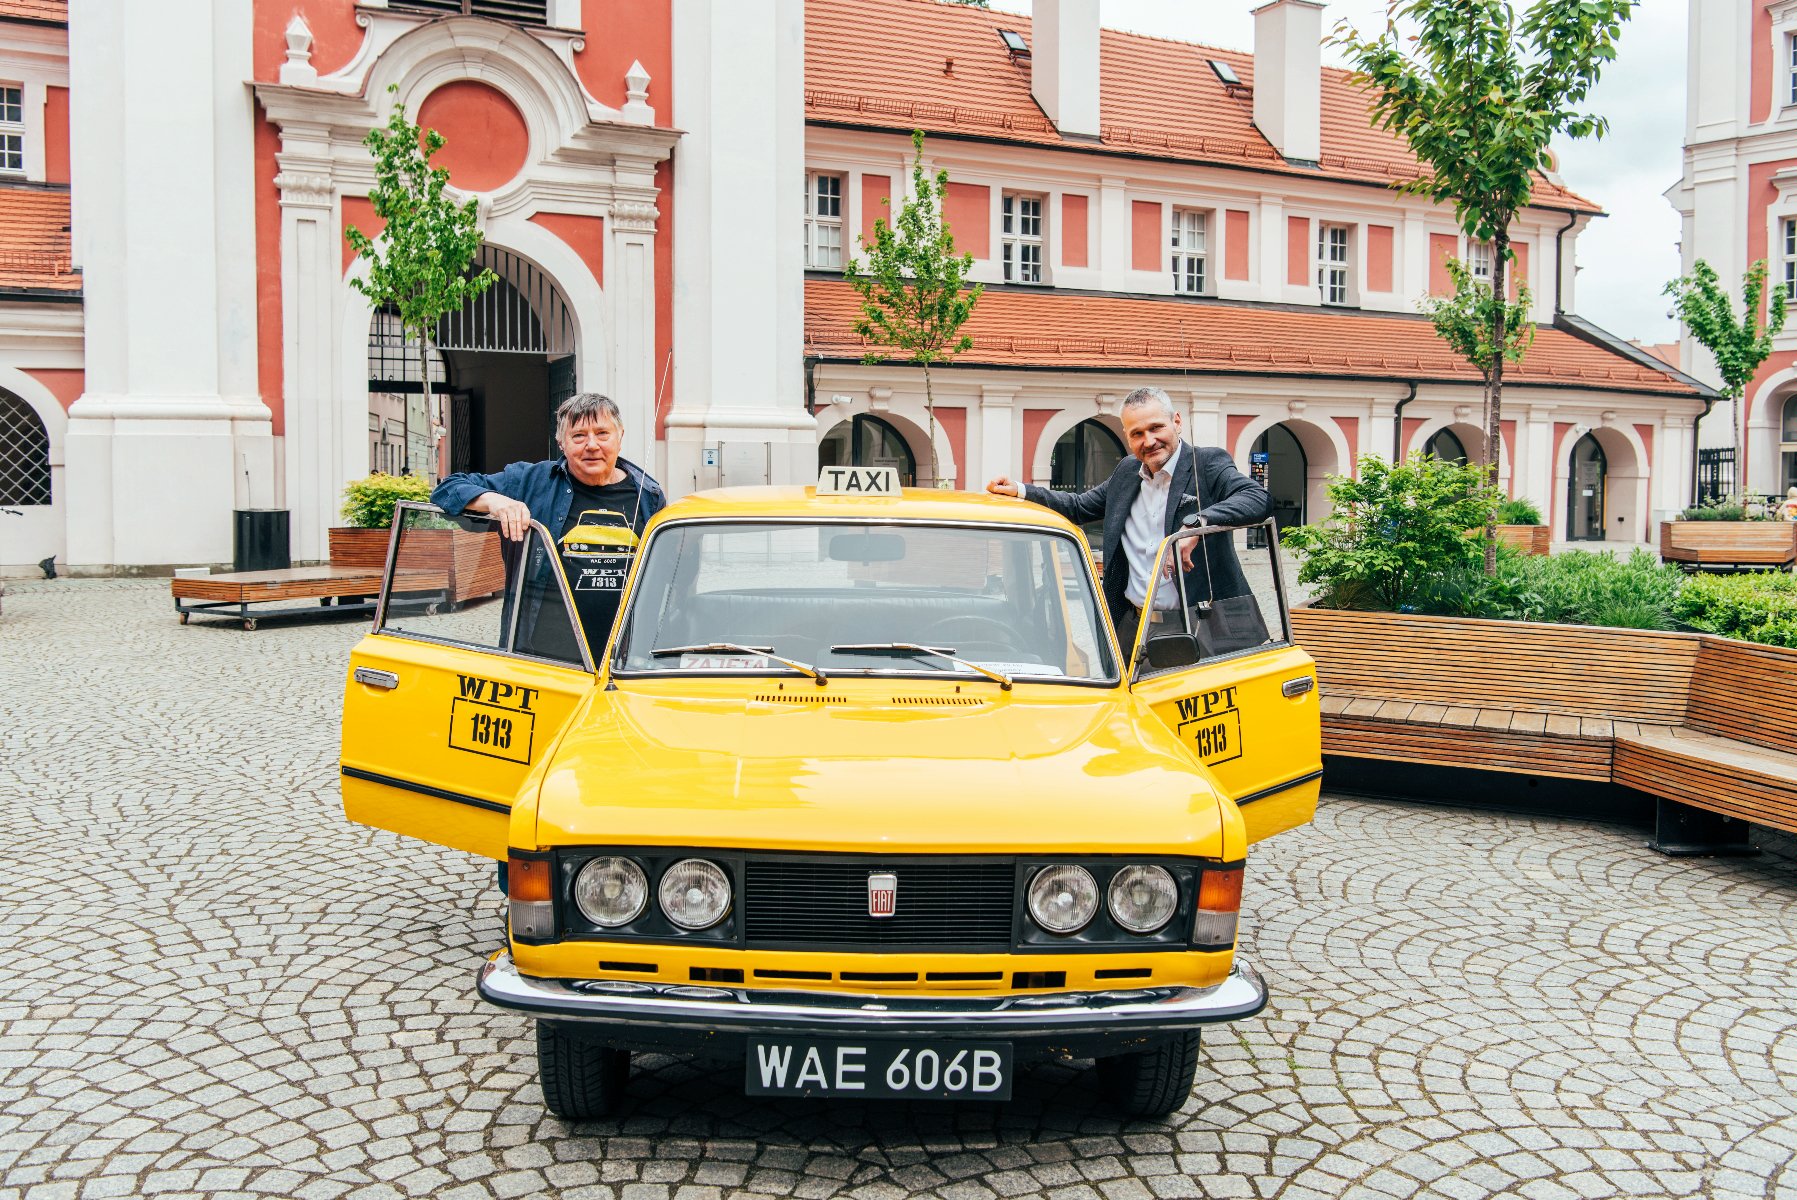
point(1143, 533)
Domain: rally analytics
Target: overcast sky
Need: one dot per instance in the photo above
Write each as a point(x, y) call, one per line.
point(1625, 258)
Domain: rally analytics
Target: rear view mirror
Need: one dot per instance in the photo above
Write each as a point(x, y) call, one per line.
point(867, 547)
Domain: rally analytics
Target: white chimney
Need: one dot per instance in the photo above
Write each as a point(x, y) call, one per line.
point(1288, 77)
point(1064, 63)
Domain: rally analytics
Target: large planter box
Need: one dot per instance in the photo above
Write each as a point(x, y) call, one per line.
point(1530, 539)
point(471, 561)
point(1729, 543)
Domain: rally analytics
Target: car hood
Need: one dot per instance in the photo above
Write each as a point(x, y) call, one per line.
point(1039, 769)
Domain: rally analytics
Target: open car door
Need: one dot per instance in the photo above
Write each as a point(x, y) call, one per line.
point(450, 705)
point(1217, 664)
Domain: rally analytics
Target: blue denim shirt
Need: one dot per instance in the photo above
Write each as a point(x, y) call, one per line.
point(546, 487)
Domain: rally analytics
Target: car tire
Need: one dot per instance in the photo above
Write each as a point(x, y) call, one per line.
point(582, 1080)
point(1152, 1083)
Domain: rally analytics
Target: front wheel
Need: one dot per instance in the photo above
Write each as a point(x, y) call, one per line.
point(581, 1080)
point(1153, 1082)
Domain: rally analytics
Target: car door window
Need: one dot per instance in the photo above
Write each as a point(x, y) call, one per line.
point(1230, 602)
point(517, 601)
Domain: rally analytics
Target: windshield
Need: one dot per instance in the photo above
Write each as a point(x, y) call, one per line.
point(851, 598)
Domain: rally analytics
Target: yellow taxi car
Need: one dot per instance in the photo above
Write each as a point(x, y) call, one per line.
point(859, 792)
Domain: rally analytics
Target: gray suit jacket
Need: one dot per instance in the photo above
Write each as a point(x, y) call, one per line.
point(1222, 496)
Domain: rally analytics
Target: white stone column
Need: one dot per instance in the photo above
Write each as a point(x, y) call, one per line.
point(1535, 450)
point(315, 446)
point(630, 296)
point(170, 435)
point(739, 382)
point(997, 448)
point(1113, 235)
point(1204, 424)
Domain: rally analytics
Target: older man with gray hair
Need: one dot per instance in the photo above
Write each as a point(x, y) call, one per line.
point(1163, 483)
point(590, 474)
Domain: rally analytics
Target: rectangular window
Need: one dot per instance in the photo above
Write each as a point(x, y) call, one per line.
point(1332, 263)
point(12, 129)
point(1791, 71)
point(1021, 236)
point(823, 222)
point(1478, 261)
point(1787, 257)
point(1190, 251)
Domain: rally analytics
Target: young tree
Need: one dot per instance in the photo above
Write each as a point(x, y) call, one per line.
point(1466, 321)
point(419, 266)
point(1479, 91)
point(914, 297)
point(1738, 346)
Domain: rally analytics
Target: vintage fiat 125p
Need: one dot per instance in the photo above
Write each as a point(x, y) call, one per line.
point(858, 792)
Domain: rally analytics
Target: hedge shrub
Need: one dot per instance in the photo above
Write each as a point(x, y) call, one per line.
point(1753, 608)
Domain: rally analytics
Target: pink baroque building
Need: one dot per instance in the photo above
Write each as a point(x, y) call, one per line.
point(1738, 199)
point(668, 190)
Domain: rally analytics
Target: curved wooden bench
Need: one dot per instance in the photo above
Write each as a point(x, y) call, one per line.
point(1662, 713)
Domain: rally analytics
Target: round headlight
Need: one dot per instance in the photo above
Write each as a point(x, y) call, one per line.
point(611, 891)
point(1142, 899)
point(695, 894)
point(1063, 898)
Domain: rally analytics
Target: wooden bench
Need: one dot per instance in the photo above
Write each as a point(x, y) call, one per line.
point(1672, 715)
point(1755, 545)
point(337, 589)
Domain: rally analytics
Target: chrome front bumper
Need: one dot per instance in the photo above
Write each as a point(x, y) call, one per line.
point(707, 1012)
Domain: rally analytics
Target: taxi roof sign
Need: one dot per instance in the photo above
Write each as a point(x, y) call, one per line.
point(858, 481)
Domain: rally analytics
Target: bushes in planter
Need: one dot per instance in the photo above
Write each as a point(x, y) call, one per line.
point(368, 502)
point(1572, 589)
point(1753, 608)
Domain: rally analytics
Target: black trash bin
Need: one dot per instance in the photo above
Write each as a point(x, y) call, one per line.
point(259, 540)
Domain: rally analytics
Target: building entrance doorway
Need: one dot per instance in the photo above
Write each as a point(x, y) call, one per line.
point(1084, 457)
point(1585, 504)
point(1288, 473)
point(867, 441)
point(498, 367)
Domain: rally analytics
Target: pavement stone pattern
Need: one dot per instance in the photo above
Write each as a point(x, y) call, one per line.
point(216, 987)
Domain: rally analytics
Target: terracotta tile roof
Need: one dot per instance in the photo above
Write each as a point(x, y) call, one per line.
point(880, 63)
point(35, 10)
point(1052, 331)
point(34, 240)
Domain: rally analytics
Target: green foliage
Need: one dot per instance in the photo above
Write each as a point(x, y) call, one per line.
point(1392, 529)
point(1578, 588)
point(1739, 346)
point(1469, 319)
point(1727, 510)
point(913, 287)
point(1753, 608)
point(1519, 512)
point(368, 502)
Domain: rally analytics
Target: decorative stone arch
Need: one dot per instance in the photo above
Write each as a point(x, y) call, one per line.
point(1471, 436)
point(1325, 448)
point(1765, 419)
point(1626, 495)
point(41, 531)
point(1057, 427)
point(583, 159)
point(916, 436)
point(586, 307)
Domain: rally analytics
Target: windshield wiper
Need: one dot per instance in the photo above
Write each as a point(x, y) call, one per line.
point(733, 648)
point(1003, 680)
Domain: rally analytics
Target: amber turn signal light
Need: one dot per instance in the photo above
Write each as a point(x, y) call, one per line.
point(1220, 889)
point(527, 879)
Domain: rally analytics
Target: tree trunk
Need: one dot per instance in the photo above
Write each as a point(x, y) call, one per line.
point(424, 373)
point(1739, 420)
point(929, 408)
point(1494, 388)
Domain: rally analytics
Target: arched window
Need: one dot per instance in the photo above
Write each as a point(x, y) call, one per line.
point(1445, 446)
point(1787, 444)
point(1084, 457)
point(1585, 483)
point(867, 441)
point(1278, 461)
point(24, 453)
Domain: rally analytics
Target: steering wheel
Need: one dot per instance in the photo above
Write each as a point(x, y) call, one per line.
point(971, 628)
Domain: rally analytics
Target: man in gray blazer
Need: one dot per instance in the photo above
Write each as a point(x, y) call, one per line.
point(1164, 481)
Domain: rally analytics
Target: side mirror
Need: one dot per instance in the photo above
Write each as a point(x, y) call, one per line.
point(1170, 651)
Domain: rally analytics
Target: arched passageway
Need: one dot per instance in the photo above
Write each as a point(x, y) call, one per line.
point(865, 440)
point(1287, 474)
point(1586, 485)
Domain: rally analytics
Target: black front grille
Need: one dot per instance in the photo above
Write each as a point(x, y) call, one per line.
point(955, 906)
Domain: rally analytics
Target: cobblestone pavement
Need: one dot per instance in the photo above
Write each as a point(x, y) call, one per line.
point(217, 987)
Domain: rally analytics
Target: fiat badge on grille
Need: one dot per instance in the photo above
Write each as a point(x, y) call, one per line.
point(882, 895)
